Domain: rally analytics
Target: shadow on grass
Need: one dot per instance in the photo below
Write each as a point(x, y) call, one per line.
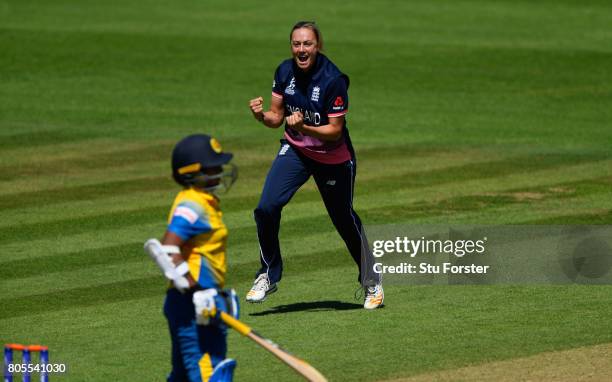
point(310, 306)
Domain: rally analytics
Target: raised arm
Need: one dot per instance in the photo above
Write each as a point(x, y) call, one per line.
point(272, 118)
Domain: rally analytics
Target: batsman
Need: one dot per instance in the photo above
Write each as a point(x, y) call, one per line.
point(192, 256)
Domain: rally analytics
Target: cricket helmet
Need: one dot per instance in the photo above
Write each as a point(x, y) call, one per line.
point(195, 161)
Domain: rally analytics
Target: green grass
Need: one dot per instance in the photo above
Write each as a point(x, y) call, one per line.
point(458, 110)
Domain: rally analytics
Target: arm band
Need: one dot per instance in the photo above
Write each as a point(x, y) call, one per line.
point(171, 249)
point(182, 269)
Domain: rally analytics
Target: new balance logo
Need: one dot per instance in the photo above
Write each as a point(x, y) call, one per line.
point(283, 150)
point(331, 183)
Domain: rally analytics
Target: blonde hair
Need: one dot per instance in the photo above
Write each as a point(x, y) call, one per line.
point(313, 27)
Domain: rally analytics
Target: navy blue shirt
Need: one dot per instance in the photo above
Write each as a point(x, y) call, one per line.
point(319, 94)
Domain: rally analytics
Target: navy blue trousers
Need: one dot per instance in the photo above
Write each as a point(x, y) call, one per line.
point(289, 171)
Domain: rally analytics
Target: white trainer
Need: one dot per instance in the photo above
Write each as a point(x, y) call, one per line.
point(374, 296)
point(261, 288)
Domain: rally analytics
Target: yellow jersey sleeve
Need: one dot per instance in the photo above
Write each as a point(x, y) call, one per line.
point(197, 219)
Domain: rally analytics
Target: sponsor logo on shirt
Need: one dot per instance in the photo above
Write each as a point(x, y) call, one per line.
point(291, 88)
point(338, 104)
point(186, 213)
point(315, 94)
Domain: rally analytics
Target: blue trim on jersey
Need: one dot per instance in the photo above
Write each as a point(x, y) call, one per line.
point(206, 279)
point(192, 222)
point(185, 230)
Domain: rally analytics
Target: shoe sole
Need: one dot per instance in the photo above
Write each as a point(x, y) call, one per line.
point(269, 291)
point(376, 307)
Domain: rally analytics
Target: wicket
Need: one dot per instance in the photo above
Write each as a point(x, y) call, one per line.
point(26, 358)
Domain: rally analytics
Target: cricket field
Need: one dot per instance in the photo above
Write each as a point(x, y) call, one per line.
point(462, 112)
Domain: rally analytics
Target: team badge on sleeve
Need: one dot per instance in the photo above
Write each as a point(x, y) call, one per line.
point(186, 213)
point(189, 219)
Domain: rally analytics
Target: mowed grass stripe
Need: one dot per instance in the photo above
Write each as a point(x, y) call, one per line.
point(51, 246)
point(573, 365)
point(243, 241)
point(242, 202)
point(245, 193)
point(527, 213)
point(479, 203)
point(86, 208)
point(255, 168)
point(419, 213)
point(239, 252)
point(149, 158)
point(601, 217)
point(374, 214)
point(141, 188)
point(92, 161)
point(303, 207)
point(485, 170)
point(54, 282)
point(66, 271)
point(29, 275)
point(86, 192)
point(117, 154)
point(64, 228)
point(430, 178)
point(68, 178)
point(53, 182)
point(82, 297)
point(115, 254)
point(143, 287)
point(48, 137)
point(66, 151)
point(513, 212)
point(515, 181)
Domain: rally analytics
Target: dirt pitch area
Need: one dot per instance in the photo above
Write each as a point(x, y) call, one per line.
point(592, 363)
